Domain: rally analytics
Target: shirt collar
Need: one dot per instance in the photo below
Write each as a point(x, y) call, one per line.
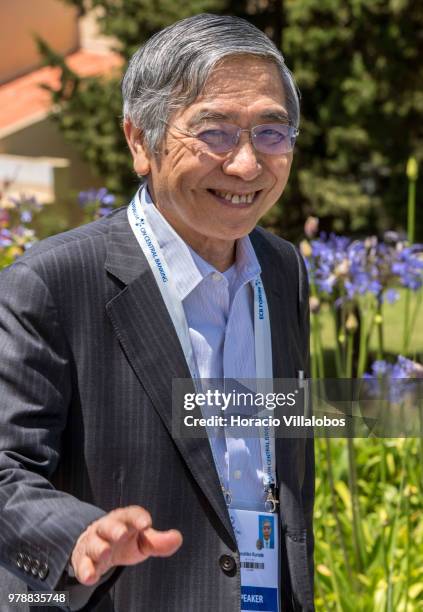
point(189, 269)
point(176, 252)
point(246, 262)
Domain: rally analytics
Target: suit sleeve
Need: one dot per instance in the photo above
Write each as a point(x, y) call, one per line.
point(39, 525)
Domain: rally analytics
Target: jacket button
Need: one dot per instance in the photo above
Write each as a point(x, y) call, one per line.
point(43, 571)
point(27, 563)
point(228, 565)
point(34, 567)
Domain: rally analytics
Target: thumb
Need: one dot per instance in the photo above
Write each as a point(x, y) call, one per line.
point(159, 543)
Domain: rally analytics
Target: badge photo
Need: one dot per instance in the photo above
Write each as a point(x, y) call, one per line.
point(266, 531)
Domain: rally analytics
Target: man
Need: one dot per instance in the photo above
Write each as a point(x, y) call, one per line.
point(95, 324)
point(267, 533)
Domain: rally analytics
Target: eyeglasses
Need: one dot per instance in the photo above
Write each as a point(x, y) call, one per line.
point(269, 138)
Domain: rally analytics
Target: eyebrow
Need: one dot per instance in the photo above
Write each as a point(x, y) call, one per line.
point(278, 116)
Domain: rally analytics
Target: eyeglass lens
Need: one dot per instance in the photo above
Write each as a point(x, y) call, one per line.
point(270, 138)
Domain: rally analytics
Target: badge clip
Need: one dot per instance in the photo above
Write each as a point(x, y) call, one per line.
point(272, 501)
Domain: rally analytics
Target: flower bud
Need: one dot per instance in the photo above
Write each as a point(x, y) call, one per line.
point(342, 268)
point(412, 169)
point(341, 338)
point(314, 304)
point(370, 242)
point(417, 370)
point(378, 319)
point(351, 323)
point(383, 517)
point(391, 237)
point(311, 226)
point(305, 248)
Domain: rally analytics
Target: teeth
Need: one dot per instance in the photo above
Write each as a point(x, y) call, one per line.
point(235, 198)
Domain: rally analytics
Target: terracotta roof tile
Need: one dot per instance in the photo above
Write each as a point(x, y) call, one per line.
point(23, 99)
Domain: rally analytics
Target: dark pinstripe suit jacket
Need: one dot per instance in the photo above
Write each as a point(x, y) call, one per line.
point(88, 353)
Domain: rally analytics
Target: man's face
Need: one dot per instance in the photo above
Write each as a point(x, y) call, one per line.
point(267, 530)
point(188, 182)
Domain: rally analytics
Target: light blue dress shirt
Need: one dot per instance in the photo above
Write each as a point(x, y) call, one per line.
point(219, 312)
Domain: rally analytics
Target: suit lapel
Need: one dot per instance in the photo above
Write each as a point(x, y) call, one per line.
point(144, 328)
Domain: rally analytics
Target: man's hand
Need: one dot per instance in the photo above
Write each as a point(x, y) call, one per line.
point(122, 537)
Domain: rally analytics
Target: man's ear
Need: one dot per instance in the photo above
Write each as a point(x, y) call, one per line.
point(135, 140)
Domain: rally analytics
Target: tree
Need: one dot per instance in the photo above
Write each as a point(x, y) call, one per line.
point(357, 63)
point(89, 111)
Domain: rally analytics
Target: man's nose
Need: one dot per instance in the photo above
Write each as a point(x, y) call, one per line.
point(243, 161)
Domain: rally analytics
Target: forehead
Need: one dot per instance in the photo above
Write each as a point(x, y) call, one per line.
point(242, 86)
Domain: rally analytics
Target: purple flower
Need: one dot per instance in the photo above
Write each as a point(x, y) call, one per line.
point(108, 199)
point(390, 296)
point(349, 269)
point(87, 197)
point(396, 382)
point(97, 202)
point(5, 238)
point(101, 193)
point(403, 368)
point(25, 202)
point(26, 216)
point(380, 367)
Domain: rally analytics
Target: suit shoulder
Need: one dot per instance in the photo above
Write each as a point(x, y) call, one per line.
point(288, 257)
point(80, 245)
point(283, 247)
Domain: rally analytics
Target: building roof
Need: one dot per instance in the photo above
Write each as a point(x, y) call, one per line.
point(23, 101)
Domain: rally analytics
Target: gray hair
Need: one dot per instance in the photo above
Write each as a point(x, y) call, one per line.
point(170, 70)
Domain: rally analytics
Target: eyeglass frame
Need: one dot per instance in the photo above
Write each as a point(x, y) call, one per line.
point(239, 131)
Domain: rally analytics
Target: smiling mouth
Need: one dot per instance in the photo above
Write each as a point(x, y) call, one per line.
point(235, 198)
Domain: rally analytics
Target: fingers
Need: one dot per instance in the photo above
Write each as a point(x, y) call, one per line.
point(86, 572)
point(90, 558)
point(122, 537)
point(97, 548)
point(120, 523)
point(153, 543)
point(145, 544)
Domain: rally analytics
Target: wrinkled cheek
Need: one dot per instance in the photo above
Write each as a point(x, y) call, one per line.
point(284, 173)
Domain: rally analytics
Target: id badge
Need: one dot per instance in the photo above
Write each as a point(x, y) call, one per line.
point(257, 536)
